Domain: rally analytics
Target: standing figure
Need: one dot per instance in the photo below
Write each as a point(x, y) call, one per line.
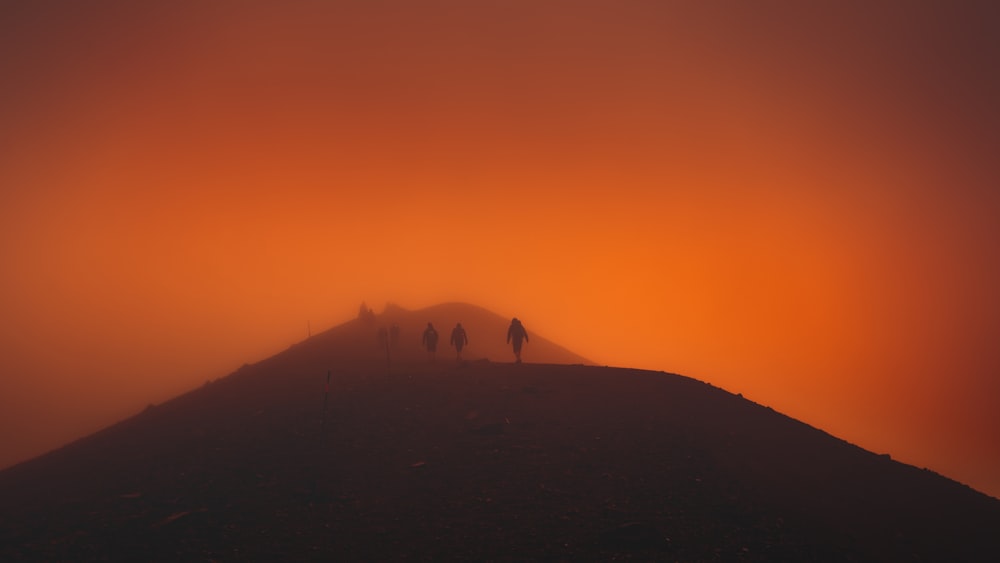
point(430, 340)
point(394, 335)
point(366, 314)
point(383, 344)
point(459, 339)
point(517, 333)
point(382, 339)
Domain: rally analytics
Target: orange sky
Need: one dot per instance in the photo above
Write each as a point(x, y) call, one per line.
point(791, 202)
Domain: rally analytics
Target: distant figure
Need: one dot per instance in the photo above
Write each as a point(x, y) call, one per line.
point(459, 339)
point(517, 333)
point(394, 335)
point(366, 314)
point(382, 340)
point(430, 340)
point(383, 343)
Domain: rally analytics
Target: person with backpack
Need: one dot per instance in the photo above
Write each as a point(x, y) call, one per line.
point(459, 339)
point(517, 334)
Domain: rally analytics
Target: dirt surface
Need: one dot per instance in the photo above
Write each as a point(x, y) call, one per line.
point(478, 461)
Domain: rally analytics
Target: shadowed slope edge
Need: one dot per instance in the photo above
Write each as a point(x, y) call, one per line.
point(470, 461)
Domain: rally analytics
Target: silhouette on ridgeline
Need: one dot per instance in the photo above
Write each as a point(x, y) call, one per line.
point(366, 314)
point(382, 338)
point(459, 339)
point(383, 345)
point(394, 335)
point(430, 340)
point(518, 335)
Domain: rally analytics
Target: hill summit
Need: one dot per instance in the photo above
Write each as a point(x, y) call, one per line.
point(412, 459)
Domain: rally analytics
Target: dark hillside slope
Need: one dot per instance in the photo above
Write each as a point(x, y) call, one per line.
point(481, 461)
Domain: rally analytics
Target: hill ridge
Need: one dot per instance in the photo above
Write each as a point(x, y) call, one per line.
point(476, 460)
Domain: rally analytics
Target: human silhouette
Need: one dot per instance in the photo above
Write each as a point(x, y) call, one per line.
point(430, 340)
point(394, 335)
point(366, 314)
point(382, 338)
point(517, 333)
point(459, 339)
point(383, 344)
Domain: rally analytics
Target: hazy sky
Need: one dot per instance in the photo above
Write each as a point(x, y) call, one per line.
point(797, 201)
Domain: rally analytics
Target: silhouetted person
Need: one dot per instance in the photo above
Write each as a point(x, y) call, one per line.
point(517, 333)
point(394, 335)
point(366, 314)
point(430, 340)
point(459, 339)
point(383, 344)
point(382, 341)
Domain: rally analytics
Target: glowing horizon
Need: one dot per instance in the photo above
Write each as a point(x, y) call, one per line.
point(795, 203)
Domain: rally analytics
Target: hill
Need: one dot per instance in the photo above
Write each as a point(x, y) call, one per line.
point(482, 460)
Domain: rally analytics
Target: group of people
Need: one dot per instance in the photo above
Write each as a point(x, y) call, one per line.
point(516, 334)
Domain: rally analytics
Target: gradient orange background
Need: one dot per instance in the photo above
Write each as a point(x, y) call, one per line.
point(793, 202)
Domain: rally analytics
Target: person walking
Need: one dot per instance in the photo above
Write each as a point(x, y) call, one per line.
point(394, 336)
point(430, 340)
point(517, 334)
point(459, 339)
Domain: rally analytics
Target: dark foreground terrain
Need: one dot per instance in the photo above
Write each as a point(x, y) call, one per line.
point(478, 461)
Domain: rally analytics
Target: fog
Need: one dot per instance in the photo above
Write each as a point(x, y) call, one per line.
point(792, 202)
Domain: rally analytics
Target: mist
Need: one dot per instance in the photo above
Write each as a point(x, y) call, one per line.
point(795, 203)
